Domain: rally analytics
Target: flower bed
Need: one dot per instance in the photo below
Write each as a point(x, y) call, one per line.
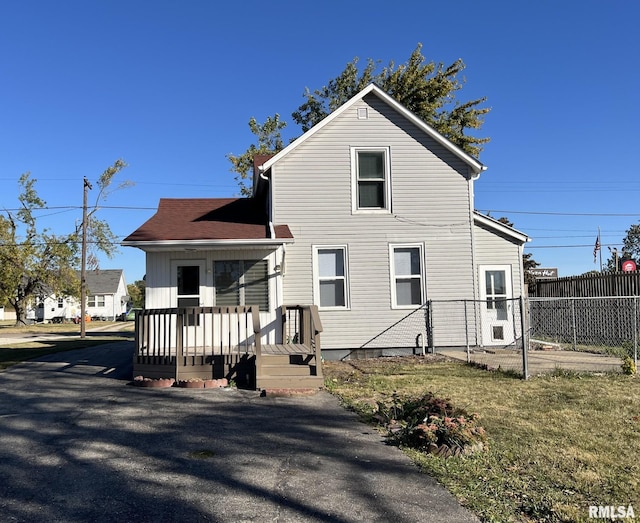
point(141, 381)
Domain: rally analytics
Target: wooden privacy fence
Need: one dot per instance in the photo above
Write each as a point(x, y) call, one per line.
point(588, 285)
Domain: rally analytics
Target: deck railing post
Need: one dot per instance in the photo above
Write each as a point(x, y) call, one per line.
point(179, 336)
point(316, 327)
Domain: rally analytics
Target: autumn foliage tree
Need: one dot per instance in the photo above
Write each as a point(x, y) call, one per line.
point(426, 88)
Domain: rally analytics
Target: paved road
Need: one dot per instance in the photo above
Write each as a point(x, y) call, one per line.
point(78, 443)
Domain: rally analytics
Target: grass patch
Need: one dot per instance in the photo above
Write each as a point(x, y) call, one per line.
point(557, 444)
point(13, 354)
point(9, 327)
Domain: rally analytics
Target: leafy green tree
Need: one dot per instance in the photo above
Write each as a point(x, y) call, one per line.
point(630, 250)
point(137, 291)
point(35, 261)
point(425, 88)
point(269, 142)
point(100, 238)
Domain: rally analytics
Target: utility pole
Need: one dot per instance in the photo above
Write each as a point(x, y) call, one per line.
point(83, 268)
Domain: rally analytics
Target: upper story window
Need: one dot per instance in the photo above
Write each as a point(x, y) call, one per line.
point(371, 179)
point(60, 303)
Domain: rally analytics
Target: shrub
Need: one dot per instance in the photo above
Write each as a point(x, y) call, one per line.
point(431, 424)
point(628, 366)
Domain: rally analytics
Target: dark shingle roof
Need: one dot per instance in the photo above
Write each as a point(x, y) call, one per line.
point(206, 219)
point(103, 281)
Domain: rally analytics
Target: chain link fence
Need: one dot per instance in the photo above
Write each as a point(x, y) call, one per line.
point(600, 325)
point(570, 334)
point(487, 333)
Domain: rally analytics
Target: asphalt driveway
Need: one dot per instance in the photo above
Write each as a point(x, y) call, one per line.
point(78, 443)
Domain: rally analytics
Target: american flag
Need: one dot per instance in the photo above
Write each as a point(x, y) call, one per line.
point(596, 248)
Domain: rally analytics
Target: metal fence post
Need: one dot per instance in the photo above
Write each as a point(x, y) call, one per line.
point(573, 324)
point(525, 338)
point(635, 331)
point(466, 331)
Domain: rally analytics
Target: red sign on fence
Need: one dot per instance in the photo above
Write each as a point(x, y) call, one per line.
point(628, 266)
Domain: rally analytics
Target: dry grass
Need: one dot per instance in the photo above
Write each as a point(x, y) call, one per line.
point(557, 444)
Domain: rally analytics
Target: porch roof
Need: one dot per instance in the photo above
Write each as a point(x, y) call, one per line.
point(207, 222)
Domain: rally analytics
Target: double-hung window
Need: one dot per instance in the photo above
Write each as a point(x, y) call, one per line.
point(331, 288)
point(95, 301)
point(242, 282)
point(371, 179)
point(407, 285)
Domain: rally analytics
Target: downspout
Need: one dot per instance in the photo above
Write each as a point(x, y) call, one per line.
point(272, 230)
point(474, 268)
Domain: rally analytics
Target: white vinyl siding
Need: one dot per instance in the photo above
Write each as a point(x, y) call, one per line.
point(407, 276)
point(371, 179)
point(331, 288)
point(493, 248)
point(313, 194)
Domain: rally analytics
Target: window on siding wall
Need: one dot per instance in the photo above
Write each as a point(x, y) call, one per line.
point(95, 301)
point(242, 282)
point(331, 284)
point(371, 185)
point(406, 275)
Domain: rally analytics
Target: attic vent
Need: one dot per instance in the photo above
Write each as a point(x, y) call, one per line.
point(363, 113)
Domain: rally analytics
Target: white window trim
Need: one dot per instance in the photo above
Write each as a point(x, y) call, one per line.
point(354, 180)
point(392, 274)
point(316, 277)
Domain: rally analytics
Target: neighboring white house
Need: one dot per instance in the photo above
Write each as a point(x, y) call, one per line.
point(367, 215)
point(106, 299)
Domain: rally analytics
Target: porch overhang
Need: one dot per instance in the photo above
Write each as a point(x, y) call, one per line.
point(207, 245)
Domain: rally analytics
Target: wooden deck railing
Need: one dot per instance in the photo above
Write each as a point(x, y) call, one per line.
point(209, 331)
point(190, 341)
point(301, 324)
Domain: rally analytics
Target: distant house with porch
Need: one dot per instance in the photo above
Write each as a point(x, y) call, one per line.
point(365, 217)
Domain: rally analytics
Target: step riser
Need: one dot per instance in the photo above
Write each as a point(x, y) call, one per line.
point(287, 370)
point(289, 383)
point(286, 359)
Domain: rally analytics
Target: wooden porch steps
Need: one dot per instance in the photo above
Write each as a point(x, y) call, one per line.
point(288, 371)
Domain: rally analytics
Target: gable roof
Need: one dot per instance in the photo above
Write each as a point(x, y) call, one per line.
point(475, 165)
point(497, 226)
point(103, 281)
point(193, 222)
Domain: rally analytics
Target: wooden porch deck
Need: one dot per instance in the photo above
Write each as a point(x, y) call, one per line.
point(163, 348)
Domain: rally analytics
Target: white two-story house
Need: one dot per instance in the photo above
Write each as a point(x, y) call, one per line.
point(368, 215)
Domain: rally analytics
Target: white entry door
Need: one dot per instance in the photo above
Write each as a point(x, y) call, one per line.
point(497, 307)
point(188, 290)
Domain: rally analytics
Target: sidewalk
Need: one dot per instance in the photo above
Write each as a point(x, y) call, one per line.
point(78, 443)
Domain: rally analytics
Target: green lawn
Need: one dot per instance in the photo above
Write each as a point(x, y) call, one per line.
point(11, 354)
point(557, 444)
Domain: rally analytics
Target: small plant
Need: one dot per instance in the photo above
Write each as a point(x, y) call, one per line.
point(629, 366)
point(431, 424)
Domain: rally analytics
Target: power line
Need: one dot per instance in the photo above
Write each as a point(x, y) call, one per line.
point(545, 213)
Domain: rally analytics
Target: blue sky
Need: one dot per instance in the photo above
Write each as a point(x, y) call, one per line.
point(169, 87)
